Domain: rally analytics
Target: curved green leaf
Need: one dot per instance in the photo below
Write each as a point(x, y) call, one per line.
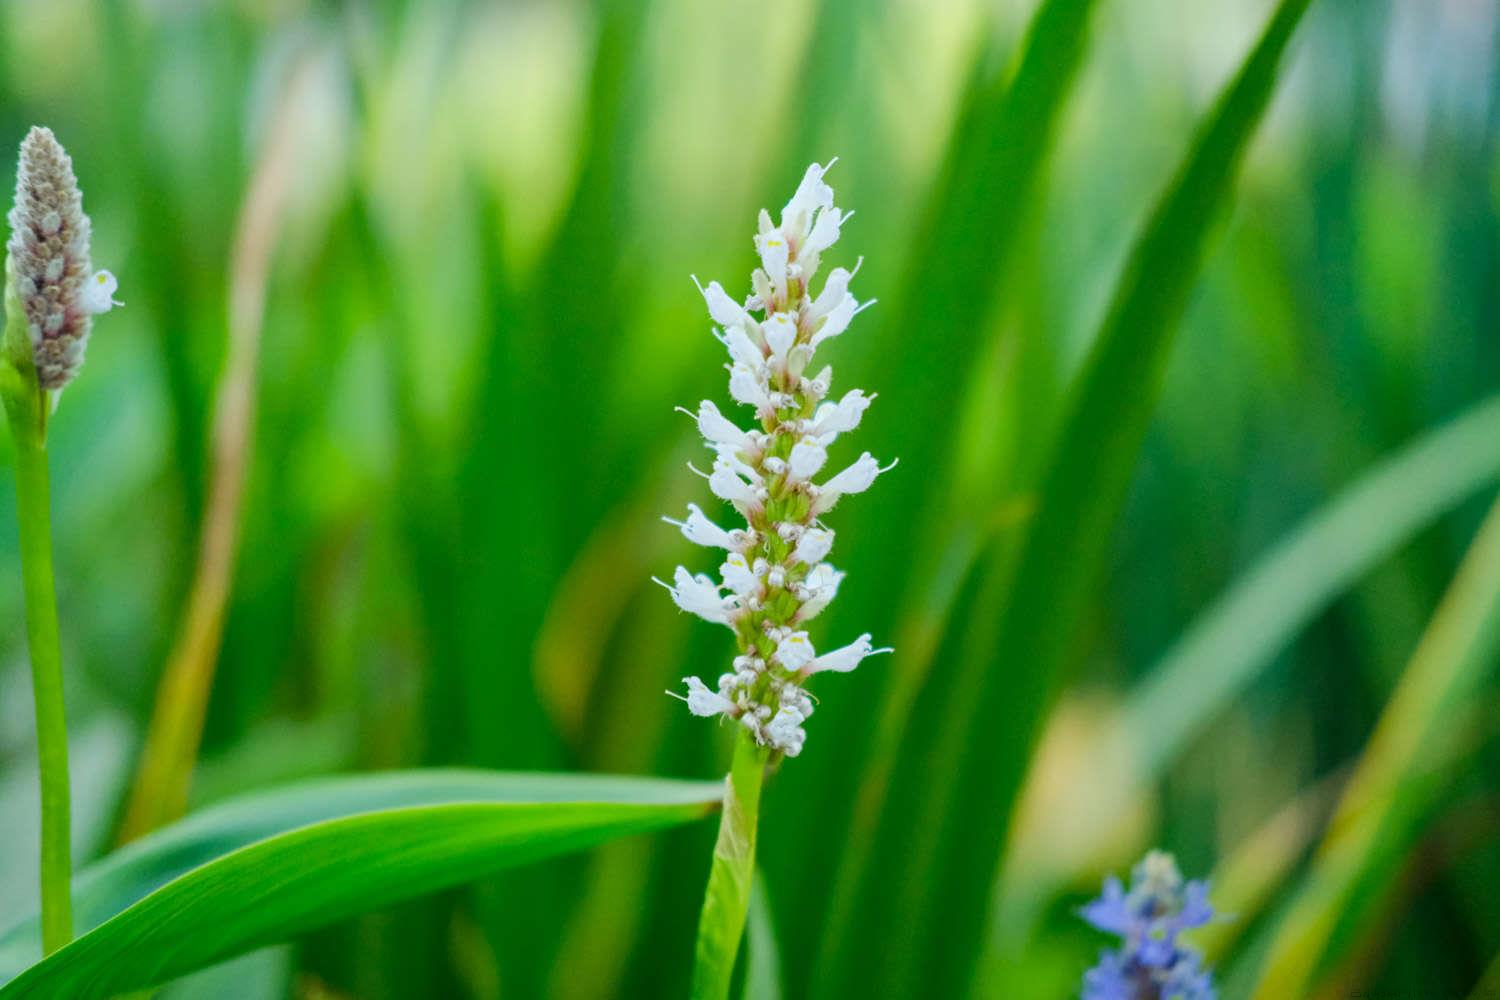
point(1012, 659)
point(269, 866)
point(1244, 630)
point(1388, 799)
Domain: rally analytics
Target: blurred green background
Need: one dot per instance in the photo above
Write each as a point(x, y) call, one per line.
point(479, 220)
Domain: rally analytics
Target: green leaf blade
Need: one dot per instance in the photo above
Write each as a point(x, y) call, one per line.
point(1013, 658)
point(268, 888)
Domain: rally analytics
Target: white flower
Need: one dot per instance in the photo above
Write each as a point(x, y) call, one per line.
point(812, 195)
point(700, 596)
point(725, 311)
point(738, 576)
point(837, 320)
point(785, 732)
point(718, 429)
point(780, 332)
point(742, 350)
point(807, 458)
point(773, 257)
point(726, 484)
point(699, 530)
point(825, 231)
point(821, 587)
point(814, 545)
point(840, 417)
point(855, 479)
point(97, 294)
point(703, 702)
point(795, 651)
point(748, 386)
point(835, 290)
point(845, 658)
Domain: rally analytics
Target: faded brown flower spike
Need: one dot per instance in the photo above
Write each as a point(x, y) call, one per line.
point(49, 260)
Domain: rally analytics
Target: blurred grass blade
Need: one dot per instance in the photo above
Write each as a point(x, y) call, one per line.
point(270, 866)
point(170, 749)
point(1230, 642)
point(1382, 810)
point(1001, 137)
point(763, 965)
point(948, 863)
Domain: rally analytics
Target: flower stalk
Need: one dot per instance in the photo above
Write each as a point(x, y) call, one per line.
point(26, 408)
point(51, 296)
point(727, 898)
point(775, 577)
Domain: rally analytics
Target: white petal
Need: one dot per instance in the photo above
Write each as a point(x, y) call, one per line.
point(813, 546)
point(738, 576)
point(773, 256)
point(717, 429)
point(806, 459)
point(825, 231)
point(780, 332)
point(855, 479)
point(837, 321)
point(845, 658)
point(795, 651)
point(703, 702)
point(843, 416)
point(725, 311)
point(97, 294)
point(742, 350)
point(699, 530)
point(748, 386)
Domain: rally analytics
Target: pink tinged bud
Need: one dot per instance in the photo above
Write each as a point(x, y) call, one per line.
point(700, 596)
point(49, 260)
point(795, 651)
point(747, 387)
point(725, 311)
point(806, 459)
point(855, 479)
point(699, 530)
point(702, 702)
point(781, 333)
point(717, 429)
point(845, 659)
point(815, 544)
point(843, 416)
point(738, 576)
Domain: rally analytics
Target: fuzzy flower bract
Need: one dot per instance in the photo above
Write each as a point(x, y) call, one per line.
point(48, 260)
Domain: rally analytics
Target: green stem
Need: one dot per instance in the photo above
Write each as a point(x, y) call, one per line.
point(727, 898)
point(26, 407)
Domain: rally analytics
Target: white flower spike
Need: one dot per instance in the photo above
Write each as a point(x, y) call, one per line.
point(774, 576)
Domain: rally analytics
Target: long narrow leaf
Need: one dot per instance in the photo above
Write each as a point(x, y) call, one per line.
point(1383, 808)
point(966, 785)
point(270, 866)
point(991, 168)
point(1245, 629)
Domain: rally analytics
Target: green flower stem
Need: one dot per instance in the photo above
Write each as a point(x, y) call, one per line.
point(26, 407)
point(727, 899)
